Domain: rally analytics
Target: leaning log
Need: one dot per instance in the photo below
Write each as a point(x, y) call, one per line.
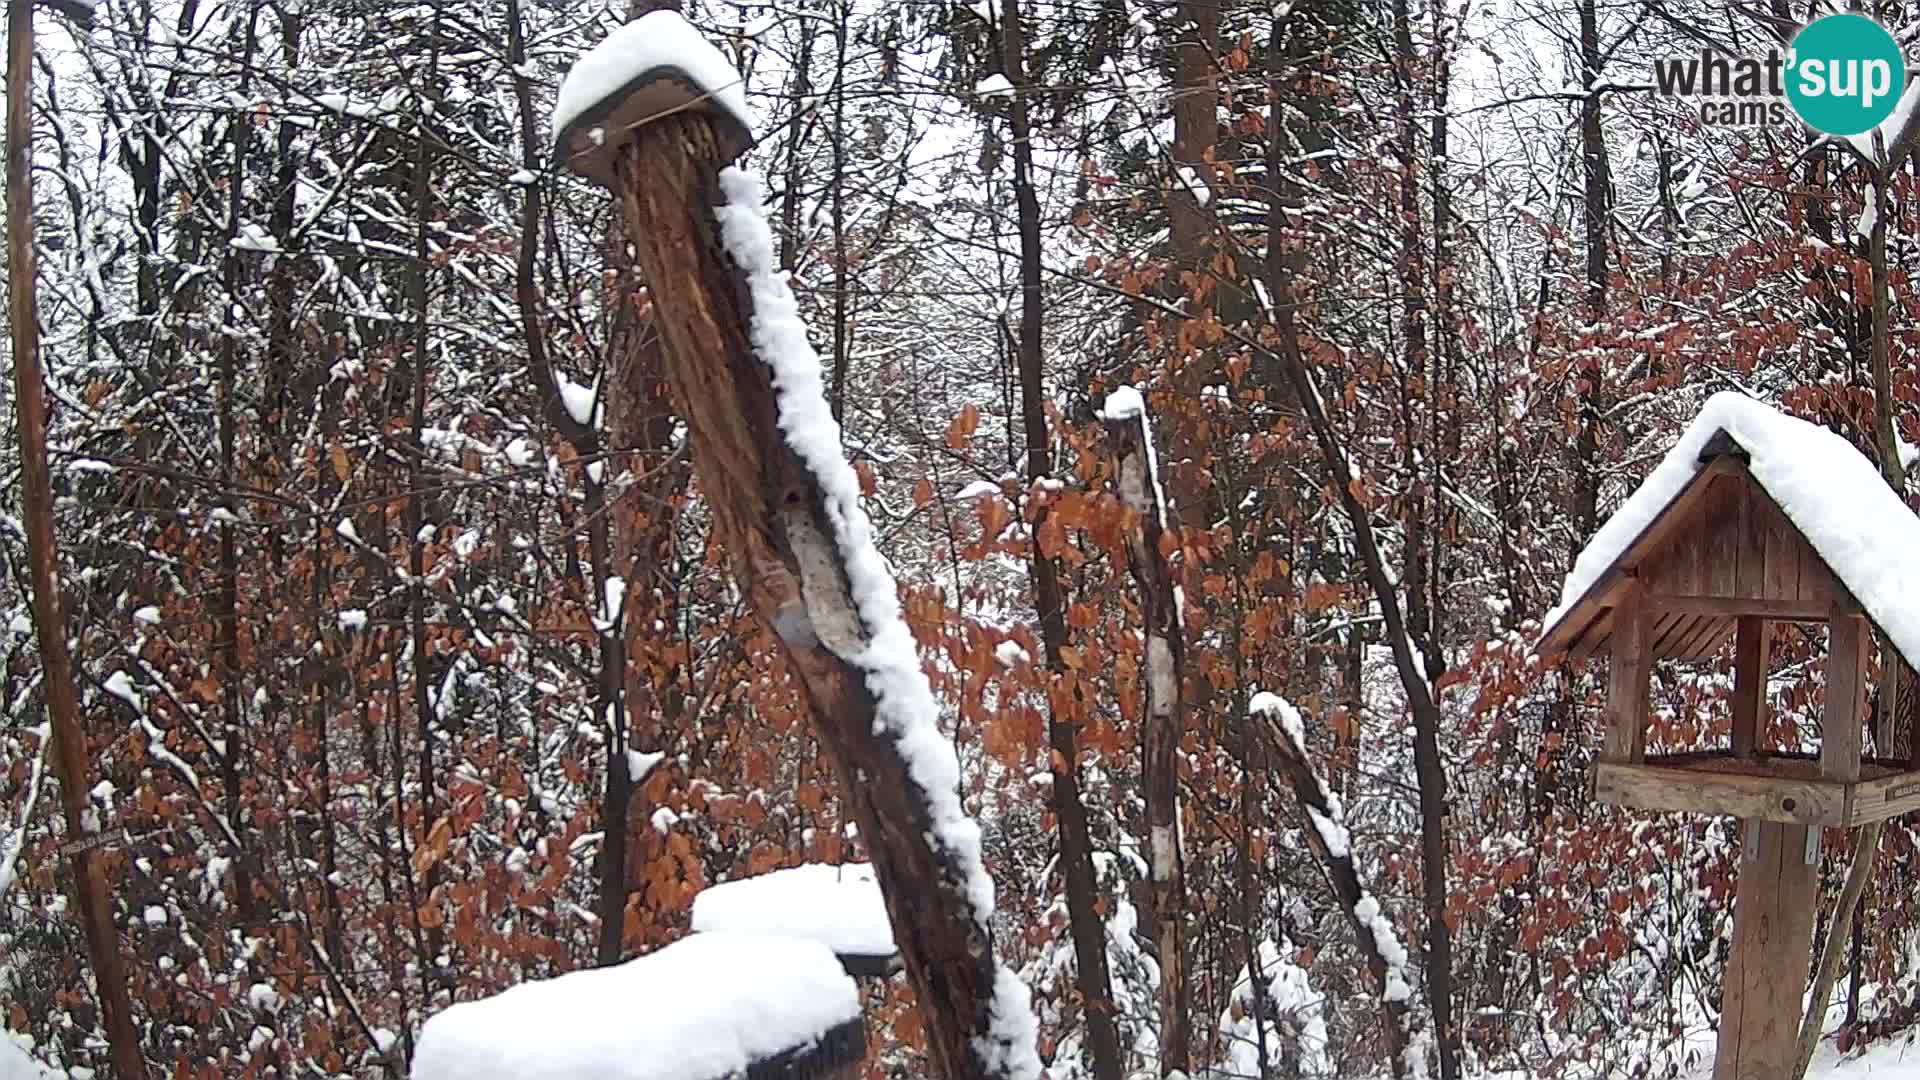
point(785, 508)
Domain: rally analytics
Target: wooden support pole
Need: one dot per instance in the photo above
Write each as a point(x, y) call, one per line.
point(1749, 685)
point(1767, 973)
point(1844, 723)
point(769, 515)
point(1627, 677)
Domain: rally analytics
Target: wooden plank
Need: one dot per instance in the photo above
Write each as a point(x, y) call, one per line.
point(1788, 610)
point(1749, 685)
point(1752, 563)
point(1706, 639)
point(1664, 526)
point(1626, 736)
point(1718, 531)
point(1707, 791)
point(1783, 555)
point(1597, 635)
point(1842, 724)
point(1667, 631)
point(1885, 797)
point(1767, 971)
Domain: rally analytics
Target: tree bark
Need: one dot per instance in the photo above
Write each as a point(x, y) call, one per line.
point(1076, 843)
point(1165, 719)
point(49, 615)
point(769, 514)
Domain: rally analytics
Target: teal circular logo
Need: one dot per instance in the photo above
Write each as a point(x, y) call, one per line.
point(1844, 74)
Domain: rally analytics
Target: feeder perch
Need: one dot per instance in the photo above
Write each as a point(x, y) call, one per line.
point(708, 1007)
point(1755, 518)
point(653, 67)
point(840, 907)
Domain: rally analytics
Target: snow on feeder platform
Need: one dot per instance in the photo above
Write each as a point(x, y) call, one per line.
point(708, 1007)
point(1754, 518)
point(840, 907)
point(652, 67)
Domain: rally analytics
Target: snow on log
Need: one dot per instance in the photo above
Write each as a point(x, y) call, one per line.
point(1330, 842)
point(1836, 498)
point(838, 906)
point(786, 508)
point(707, 1007)
point(651, 67)
point(1138, 479)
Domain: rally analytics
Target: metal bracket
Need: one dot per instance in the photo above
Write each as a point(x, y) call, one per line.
point(1813, 845)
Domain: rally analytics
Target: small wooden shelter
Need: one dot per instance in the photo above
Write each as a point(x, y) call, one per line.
point(1755, 519)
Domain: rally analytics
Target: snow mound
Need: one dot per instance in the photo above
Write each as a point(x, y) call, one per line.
point(1833, 495)
point(17, 1064)
point(658, 40)
point(702, 1008)
point(838, 906)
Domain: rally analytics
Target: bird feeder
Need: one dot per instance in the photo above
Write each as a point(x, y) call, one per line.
point(1754, 519)
point(651, 68)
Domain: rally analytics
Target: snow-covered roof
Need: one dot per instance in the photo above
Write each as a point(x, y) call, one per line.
point(838, 906)
point(1836, 498)
point(17, 1064)
point(702, 1008)
point(588, 116)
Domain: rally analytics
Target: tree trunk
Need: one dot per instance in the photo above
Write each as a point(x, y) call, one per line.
point(770, 514)
point(1165, 718)
point(43, 571)
point(1076, 843)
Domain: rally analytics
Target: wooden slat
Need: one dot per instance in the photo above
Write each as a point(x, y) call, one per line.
point(1707, 639)
point(1650, 541)
point(1718, 532)
point(1677, 789)
point(1626, 736)
point(1783, 554)
point(1749, 685)
point(1597, 636)
point(1669, 630)
point(1788, 610)
point(1752, 565)
point(1767, 971)
point(1842, 724)
point(1886, 797)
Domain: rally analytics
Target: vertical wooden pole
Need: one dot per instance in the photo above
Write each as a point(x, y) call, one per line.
point(1749, 685)
point(1772, 931)
point(1843, 724)
point(1626, 738)
point(43, 560)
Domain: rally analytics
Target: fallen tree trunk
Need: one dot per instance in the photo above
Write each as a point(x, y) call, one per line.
point(1325, 819)
point(785, 507)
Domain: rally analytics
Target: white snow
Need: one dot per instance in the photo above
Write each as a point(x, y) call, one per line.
point(523, 178)
point(977, 489)
point(149, 615)
point(1291, 1011)
point(1832, 494)
point(904, 708)
point(612, 601)
point(656, 39)
point(17, 1064)
point(578, 400)
point(155, 916)
point(252, 237)
point(353, 619)
point(702, 1008)
point(121, 687)
point(994, 85)
point(1126, 403)
point(347, 531)
point(838, 906)
point(1011, 653)
point(641, 765)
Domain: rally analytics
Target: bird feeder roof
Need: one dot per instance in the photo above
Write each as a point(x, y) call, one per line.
point(1833, 499)
point(651, 67)
point(839, 906)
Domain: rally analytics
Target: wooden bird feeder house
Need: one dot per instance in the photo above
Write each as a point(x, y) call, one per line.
point(1754, 519)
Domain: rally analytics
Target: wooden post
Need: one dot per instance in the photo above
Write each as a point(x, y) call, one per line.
point(1626, 737)
point(1767, 973)
point(1749, 685)
point(1843, 724)
point(769, 515)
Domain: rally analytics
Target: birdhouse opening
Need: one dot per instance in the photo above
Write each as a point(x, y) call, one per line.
point(1703, 569)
